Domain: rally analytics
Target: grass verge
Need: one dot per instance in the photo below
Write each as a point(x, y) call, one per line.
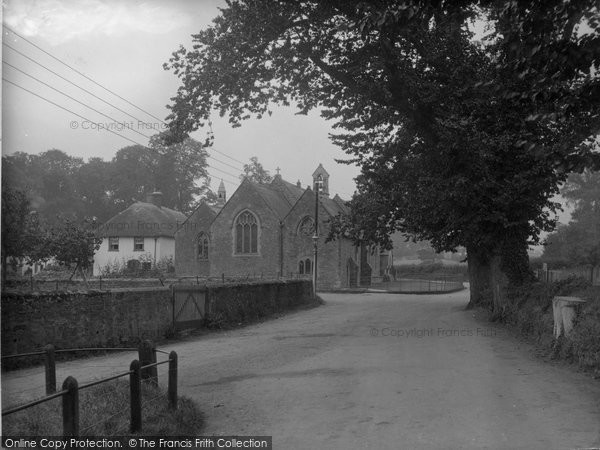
point(532, 316)
point(104, 411)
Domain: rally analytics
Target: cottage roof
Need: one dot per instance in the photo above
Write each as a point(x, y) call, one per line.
point(143, 219)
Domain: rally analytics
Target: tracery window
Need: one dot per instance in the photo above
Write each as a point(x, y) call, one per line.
point(306, 226)
point(202, 247)
point(246, 233)
point(305, 267)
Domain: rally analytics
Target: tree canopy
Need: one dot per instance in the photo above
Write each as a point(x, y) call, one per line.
point(254, 171)
point(460, 142)
point(55, 182)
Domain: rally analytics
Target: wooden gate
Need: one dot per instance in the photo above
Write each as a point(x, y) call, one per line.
point(189, 307)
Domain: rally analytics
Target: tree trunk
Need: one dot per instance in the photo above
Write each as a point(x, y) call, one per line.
point(498, 284)
point(4, 264)
point(514, 257)
point(493, 269)
point(479, 276)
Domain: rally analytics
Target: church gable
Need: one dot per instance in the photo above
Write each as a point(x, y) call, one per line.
point(192, 242)
point(246, 232)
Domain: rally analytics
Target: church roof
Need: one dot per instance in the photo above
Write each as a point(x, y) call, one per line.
point(143, 219)
point(320, 170)
point(202, 204)
point(273, 197)
point(334, 207)
point(290, 191)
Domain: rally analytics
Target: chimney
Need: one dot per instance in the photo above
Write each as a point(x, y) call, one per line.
point(298, 184)
point(155, 198)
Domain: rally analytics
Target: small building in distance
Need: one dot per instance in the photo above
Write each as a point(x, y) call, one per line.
point(267, 230)
point(139, 238)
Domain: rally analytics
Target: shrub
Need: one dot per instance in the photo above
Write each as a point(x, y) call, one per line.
point(531, 313)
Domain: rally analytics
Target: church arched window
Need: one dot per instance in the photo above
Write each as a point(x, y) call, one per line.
point(306, 226)
point(246, 233)
point(307, 266)
point(301, 267)
point(202, 246)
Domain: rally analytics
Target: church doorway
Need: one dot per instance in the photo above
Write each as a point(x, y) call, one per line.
point(351, 273)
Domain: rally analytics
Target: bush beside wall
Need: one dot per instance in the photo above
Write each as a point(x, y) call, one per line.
point(531, 314)
point(121, 318)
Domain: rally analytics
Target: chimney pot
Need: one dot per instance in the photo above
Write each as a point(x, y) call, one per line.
point(155, 198)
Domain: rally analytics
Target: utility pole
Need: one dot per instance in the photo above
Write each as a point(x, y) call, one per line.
point(318, 182)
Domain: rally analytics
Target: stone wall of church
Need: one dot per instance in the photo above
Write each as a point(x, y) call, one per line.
point(186, 245)
point(223, 259)
point(298, 246)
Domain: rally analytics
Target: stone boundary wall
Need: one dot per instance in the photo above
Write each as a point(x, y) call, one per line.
point(123, 317)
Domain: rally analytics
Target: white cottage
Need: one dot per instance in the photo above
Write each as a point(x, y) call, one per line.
point(140, 237)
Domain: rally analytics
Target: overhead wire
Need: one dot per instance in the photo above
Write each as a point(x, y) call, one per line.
point(97, 124)
point(70, 97)
point(101, 86)
point(81, 73)
point(68, 81)
point(212, 148)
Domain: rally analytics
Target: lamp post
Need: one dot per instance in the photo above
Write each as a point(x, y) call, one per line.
point(315, 237)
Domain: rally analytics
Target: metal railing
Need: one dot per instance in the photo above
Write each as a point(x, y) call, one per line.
point(139, 370)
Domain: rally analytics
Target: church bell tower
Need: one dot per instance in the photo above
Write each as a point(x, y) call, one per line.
point(321, 179)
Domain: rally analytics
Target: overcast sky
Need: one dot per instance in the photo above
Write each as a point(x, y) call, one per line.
point(122, 45)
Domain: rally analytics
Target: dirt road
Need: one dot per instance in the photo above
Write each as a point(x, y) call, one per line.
point(379, 371)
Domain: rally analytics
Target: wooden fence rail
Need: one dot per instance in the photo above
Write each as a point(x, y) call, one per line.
point(71, 388)
point(146, 351)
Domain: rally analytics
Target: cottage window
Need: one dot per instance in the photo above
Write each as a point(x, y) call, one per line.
point(246, 233)
point(202, 247)
point(138, 244)
point(113, 244)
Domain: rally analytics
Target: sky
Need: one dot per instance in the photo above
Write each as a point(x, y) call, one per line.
point(122, 46)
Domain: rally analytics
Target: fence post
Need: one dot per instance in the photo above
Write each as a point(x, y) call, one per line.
point(172, 388)
point(135, 391)
point(50, 369)
point(147, 355)
point(70, 408)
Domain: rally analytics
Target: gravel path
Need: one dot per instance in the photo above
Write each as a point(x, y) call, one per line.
point(372, 371)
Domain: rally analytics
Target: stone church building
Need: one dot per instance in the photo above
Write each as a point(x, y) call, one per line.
point(267, 229)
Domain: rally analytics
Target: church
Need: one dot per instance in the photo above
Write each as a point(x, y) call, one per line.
point(267, 230)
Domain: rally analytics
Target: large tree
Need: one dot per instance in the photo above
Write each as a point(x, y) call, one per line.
point(460, 142)
point(21, 232)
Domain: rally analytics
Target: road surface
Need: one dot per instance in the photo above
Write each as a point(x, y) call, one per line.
point(376, 371)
